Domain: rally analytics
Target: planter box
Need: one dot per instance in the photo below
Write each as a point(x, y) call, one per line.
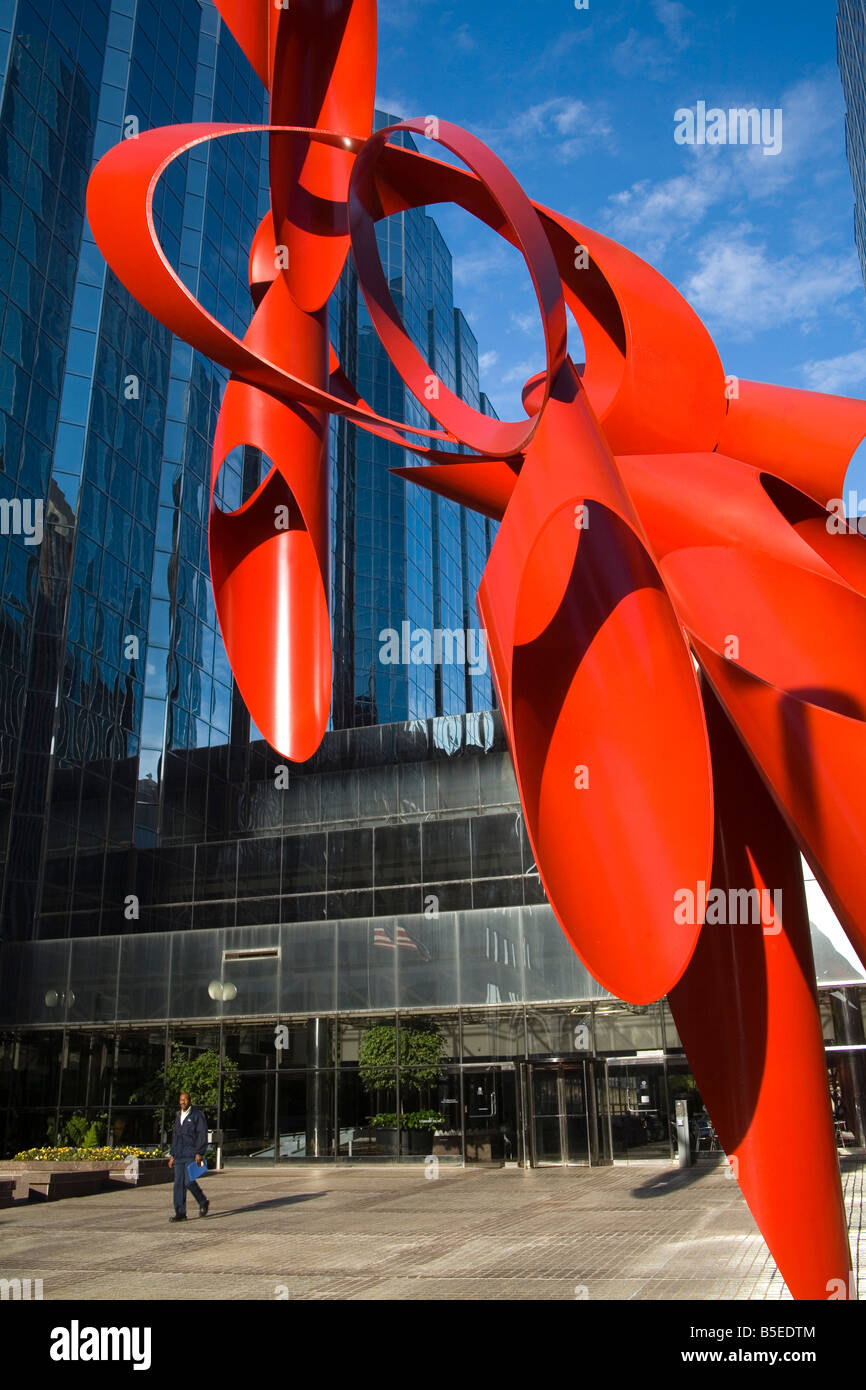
point(104, 1174)
point(51, 1187)
point(146, 1173)
point(375, 1143)
point(382, 1142)
point(485, 1146)
point(447, 1145)
point(418, 1142)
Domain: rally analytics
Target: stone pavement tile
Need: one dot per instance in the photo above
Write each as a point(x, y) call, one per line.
point(338, 1233)
point(466, 1289)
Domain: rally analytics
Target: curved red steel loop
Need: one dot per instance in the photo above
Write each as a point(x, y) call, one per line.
point(648, 515)
point(477, 431)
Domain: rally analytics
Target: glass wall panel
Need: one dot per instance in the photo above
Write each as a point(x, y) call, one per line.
point(195, 966)
point(252, 1049)
point(43, 981)
point(139, 1125)
point(669, 1028)
point(259, 867)
point(446, 850)
point(93, 978)
point(248, 1133)
point(445, 1026)
point(357, 1138)
point(144, 976)
point(496, 847)
point(560, 1033)
point(458, 783)
point(308, 981)
point(293, 1039)
point(306, 1114)
point(397, 854)
point(350, 860)
point(250, 984)
point(622, 1028)
point(490, 956)
point(35, 1064)
point(379, 791)
point(497, 780)
point(340, 791)
point(491, 1035)
point(304, 864)
point(138, 1060)
point(367, 964)
point(88, 1067)
point(367, 1087)
point(190, 1043)
point(13, 998)
point(552, 969)
point(427, 959)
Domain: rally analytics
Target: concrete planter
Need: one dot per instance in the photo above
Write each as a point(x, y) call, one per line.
point(107, 1173)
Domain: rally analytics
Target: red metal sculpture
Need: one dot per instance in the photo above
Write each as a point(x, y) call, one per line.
point(648, 516)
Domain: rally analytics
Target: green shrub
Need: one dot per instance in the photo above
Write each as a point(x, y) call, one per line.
point(420, 1057)
point(75, 1131)
point(197, 1075)
point(411, 1119)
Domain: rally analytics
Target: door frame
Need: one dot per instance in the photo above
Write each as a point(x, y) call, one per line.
point(599, 1149)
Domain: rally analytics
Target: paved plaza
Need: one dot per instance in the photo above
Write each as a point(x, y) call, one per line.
point(640, 1231)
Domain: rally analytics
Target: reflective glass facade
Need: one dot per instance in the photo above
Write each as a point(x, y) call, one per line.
point(851, 48)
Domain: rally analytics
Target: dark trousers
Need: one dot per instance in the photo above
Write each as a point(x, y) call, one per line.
point(182, 1184)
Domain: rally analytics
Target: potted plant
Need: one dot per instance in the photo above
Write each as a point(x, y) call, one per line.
point(419, 1051)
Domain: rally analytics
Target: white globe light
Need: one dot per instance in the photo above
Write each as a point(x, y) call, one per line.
point(215, 989)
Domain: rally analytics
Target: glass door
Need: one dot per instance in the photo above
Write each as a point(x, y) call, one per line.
point(490, 1113)
point(558, 1111)
point(639, 1119)
point(567, 1118)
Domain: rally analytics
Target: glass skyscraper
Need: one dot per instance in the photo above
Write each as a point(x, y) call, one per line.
point(851, 48)
point(167, 881)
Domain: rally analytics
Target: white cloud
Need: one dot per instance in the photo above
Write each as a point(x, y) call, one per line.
point(392, 105)
point(401, 14)
point(639, 53)
point(650, 217)
point(462, 39)
point(674, 19)
point(521, 371)
point(473, 266)
point(570, 125)
point(813, 117)
point(487, 360)
point(837, 375)
point(737, 286)
point(527, 323)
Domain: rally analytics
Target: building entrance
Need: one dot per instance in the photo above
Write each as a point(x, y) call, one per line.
point(566, 1113)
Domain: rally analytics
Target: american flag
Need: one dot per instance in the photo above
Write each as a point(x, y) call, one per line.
point(400, 938)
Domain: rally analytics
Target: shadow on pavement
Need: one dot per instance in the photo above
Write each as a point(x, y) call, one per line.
point(264, 1206)
point(660, 1184)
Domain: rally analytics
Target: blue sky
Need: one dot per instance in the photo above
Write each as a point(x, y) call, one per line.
point(580, 104)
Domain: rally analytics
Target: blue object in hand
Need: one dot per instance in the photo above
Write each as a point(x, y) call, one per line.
point(195, 1170)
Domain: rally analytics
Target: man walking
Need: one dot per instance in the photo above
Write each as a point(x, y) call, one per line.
point(188, 1142)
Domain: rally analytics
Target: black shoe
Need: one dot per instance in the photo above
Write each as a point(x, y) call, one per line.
point(203, 1211)
point(177, 1218)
